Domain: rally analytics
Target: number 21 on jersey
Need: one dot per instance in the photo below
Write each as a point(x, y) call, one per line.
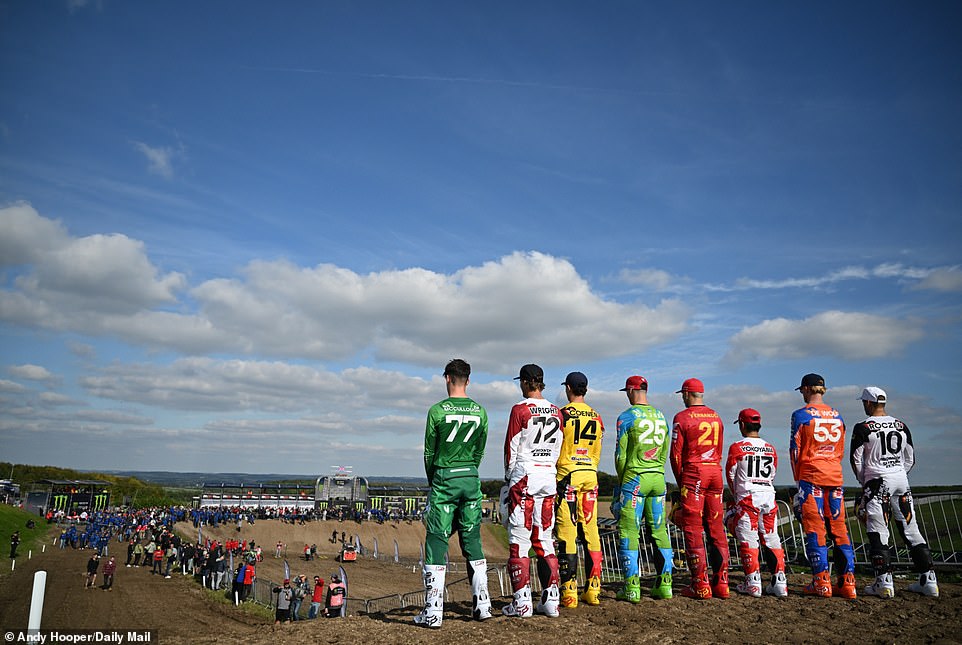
point(709, 433)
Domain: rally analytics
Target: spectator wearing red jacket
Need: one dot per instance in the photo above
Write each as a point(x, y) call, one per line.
point(317, 598)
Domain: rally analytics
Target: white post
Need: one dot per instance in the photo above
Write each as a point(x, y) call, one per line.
point(30, 554)
point(36, 602)
point(236, 600)
point(13, 564)
point(44, 549)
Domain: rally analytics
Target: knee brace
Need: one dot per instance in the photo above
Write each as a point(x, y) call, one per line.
point(921, 558)
point(567, 565)
point(548, 570)
point(879, 553)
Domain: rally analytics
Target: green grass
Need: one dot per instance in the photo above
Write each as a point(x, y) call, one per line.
point(250, 608)
point(13, 519)
point(938, 522)
point(499, 532)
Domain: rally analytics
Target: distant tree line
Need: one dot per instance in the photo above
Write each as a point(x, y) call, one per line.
point(141, 494)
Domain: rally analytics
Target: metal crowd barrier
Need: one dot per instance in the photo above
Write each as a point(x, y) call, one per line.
point(939, 517)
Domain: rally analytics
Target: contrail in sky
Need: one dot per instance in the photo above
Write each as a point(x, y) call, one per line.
point(454, 79)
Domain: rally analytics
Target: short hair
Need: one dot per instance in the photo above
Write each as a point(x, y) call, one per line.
point(578, 390)
point(817, 389)
point(458, 369)
point(751, 426)
point(537, 384)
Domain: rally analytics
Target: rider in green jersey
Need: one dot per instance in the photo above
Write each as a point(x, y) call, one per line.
point(640, 456)
point(454, 438)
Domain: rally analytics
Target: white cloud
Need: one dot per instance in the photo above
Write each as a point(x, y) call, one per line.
point(160, 161)
point(82, 350)
point(852, 336)
point(947, 279)
point(75, 283)
point(76, 5)
point(653, 279)
point(11, 386)
point(887, 271)
point(32, 373)
point(491, 314)
point(27, 235)
point(55, 398)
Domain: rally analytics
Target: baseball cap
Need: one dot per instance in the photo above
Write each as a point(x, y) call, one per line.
point(749, 415)
point(575, 379)
point(635, 383)
point(873, 394)
point(287, 581)
point(530, 372)
point(811, 380)
point(692, 385)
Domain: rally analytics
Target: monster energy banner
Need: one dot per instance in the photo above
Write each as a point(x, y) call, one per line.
point(410, 504)
point(77, 496)
point(377, 502)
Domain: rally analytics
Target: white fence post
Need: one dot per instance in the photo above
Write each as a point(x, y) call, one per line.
point(36, 602)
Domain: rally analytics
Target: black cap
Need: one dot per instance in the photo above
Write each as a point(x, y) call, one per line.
point(531, 373)
point(811, 380)
point(576, 379)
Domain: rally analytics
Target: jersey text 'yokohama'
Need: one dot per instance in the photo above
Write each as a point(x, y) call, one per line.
point(751, 466)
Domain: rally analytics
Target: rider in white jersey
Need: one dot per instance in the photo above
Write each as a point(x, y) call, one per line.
point(882, 456)
point(531, 448)
point(750, 471)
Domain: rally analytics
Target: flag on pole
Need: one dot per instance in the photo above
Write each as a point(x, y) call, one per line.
point(287, 570)
point(346, 592)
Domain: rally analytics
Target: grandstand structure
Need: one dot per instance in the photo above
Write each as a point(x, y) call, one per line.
point(69, 496)
point(240, 495)
point(408, 500)
point(341, 490)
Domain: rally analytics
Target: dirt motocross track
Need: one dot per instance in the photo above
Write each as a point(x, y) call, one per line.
point(182, 612)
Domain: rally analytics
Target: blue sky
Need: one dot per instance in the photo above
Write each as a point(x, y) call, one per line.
point(242, 237)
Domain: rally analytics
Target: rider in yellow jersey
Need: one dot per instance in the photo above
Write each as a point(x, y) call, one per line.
point(578, 493)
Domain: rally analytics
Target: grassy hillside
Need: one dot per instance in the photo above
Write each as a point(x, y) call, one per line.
point(13, 519)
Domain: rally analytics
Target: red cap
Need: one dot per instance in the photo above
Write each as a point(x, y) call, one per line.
point(635, 383)
point(749, 415)
point(287, 580)
point(692, 385)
